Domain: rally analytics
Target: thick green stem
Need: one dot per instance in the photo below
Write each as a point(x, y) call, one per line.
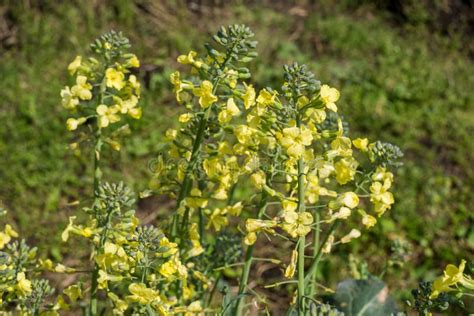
point(244, 277)
point(97, 177)
point(302, 239)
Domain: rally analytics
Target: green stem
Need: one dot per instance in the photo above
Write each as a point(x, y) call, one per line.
point(317, 257)
point(97, 177)
point(302, 239)
point(244, 277)
point(312, 286)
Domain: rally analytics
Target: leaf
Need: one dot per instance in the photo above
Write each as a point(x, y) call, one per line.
point(368, 297)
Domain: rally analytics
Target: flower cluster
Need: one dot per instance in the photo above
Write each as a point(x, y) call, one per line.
point(105, 89)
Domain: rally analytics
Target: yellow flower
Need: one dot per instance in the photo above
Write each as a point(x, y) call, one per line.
point(231, 110)
point(244, 134)
point(343, 213)
point(189, 59)
point(258, 179)
point(290, 270)
point(179, 86)
point(329, 96)
point(381, 197)
point(349, 199)
point(345, 170)
point(72, 123)
point(197, 249)
point(107, 115)
point(141, 294)
point(185, 117)
point(342, 146)
point(130, 106)
point(170, 246)
point(218, 219)
point(114, 78)
point(204, 92)
point(120, 306)
point(266, 98)
point(249, 96)
point(73, 292)
point(452, 276)
point(361, 143)
point(133, 61)
point(295, 139)
point(68, 100)
point(23, 285)
point(328, 245)
point(74, 65)
point(135, 84)
point(78, 230)
point(82, 89)
point(297, 224)
point(367, 220)
point(316, 115)
point(252, 226)
point(7, 235)
point(354, 233)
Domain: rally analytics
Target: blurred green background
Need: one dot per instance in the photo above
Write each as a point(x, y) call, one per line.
point(404, 68)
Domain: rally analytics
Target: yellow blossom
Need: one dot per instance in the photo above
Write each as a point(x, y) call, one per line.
point(328, 245)
point(189, 59)
point(72, 123)
point(73, 292)
point(141, 294)
point(205, 94)
point(249, 96)
point(297, 224)
point(345, 170)
point(290, 270)
point(353, 234)
point(258, 179)
point(361, 143)
point(7, 235)
point(68, 100)
point(74, 65)
point(367, 220)
point(82, 89)
point(295, 139)
point(342, 146)
point(114, 78)
point(266, 98)
point(231, 110)
point(349, 199)
point(134, 83)
point(381, 197)
point(244, 134)
point(107, 115)
point(23, 285)
point(343, 213)
point(78, 230)
point(130, 106)
point(185, 117)
point(329, 96)
point(452, 276)
point(218, 219)
point(133, 61)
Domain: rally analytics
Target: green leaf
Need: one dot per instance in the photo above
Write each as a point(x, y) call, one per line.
point(367, 297)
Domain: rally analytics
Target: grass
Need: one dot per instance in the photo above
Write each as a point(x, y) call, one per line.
point(403, 82)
